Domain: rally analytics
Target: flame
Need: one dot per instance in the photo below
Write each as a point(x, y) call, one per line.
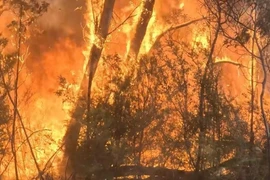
point(46, 116)
point(200, 39)
point(181, 5)
point(153, 31)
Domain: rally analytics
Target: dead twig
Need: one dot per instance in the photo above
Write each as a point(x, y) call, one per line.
point(123, 22)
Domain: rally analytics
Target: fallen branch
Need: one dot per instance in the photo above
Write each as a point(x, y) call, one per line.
point(160, 172)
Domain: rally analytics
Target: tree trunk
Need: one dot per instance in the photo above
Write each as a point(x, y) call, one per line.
point(141, 28)
point(73, 129)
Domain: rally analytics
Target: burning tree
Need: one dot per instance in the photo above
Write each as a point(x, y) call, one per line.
point(109, 133)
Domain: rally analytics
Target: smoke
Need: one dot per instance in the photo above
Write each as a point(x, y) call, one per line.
point(63, 20)
point(56, 43)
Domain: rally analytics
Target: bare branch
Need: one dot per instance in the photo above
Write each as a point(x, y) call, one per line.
point(230, 62)
point(122, 23)
point(173, 28)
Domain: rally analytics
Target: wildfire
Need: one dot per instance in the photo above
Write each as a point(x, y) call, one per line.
point(62, 53)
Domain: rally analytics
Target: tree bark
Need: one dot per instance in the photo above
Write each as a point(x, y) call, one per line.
point(141, 27)
point(73, 129)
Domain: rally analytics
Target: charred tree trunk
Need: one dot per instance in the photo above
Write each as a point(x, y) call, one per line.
point(73, 129)
point(95, 53)
point(141, 27)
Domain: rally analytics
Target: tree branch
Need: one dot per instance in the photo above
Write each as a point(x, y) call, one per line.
point(173, 28)
point(122, 23)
